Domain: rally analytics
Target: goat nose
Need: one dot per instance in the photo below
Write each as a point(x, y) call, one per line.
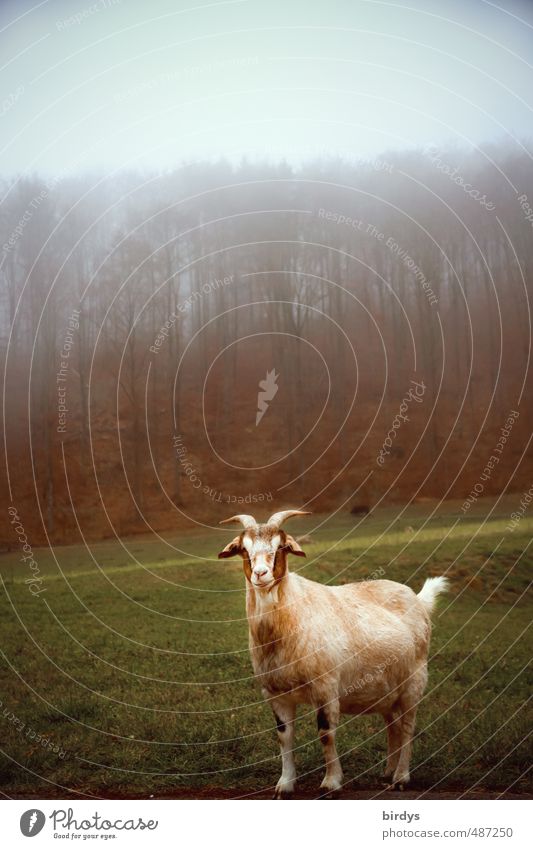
point(259, 571)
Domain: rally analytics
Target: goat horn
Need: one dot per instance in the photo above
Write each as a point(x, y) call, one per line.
point(248, 522)
point(277, 519)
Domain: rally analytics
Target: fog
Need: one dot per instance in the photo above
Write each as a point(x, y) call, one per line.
point(359, 173)
point(116, 84)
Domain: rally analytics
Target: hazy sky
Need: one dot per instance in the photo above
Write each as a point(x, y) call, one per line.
point(152, 83)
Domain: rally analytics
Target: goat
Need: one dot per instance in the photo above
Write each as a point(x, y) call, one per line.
point(356, 649)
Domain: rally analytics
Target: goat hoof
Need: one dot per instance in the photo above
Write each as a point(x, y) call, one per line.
point(398, 785)
point(329, 794)
point(283, 794)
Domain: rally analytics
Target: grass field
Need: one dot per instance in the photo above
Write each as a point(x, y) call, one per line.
point(134, 662)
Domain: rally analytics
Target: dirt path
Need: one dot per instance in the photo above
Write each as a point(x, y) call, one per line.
point(348, 793)
point(304, 792)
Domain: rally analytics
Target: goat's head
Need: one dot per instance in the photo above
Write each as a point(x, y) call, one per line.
point(263, 548)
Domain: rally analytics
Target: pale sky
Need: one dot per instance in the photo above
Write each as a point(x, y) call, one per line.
point(150, 84)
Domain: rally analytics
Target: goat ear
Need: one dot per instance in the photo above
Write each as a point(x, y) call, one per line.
point(292, 546)
point(232, 549)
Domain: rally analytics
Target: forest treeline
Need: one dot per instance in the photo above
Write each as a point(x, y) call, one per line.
point(140, 312)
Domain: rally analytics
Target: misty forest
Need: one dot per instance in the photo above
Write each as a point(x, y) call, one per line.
point(141, 311)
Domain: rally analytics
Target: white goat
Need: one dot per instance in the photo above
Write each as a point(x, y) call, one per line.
point(358, 648)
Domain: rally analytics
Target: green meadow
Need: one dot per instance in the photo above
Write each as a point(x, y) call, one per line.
point(129, 674)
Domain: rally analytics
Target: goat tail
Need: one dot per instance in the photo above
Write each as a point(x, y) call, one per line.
point(431, 589)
